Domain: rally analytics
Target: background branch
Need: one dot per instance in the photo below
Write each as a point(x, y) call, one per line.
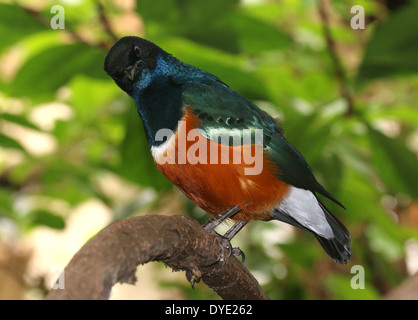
point(103, 19)
point(340, 72)
point(105, 22)
point(180, 242)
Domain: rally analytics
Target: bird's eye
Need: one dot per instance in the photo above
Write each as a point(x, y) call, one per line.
point(137, 51)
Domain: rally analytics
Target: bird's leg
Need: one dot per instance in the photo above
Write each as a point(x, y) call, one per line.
point(235, 229)
point(226, 239)
point(230, 234)
point(220, 217)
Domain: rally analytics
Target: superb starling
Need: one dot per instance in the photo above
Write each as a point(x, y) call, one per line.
point(227, 155)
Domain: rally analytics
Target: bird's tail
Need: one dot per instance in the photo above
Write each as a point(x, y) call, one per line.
point(337, 247)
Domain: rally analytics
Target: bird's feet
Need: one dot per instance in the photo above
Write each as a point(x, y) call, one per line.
point(226, 239)
point(227, 244)
point(231, 250)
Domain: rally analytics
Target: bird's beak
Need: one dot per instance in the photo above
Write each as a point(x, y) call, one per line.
point(130, 71)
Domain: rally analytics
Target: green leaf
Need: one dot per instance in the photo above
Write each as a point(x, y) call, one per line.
point(205, 22)
point(341, 287)
point(300, 252)
point(393, 49)
point(15, 24)
point(395, 164)
point(249, 31)
point(407, 114)
point(7, 142)
point(46, 218)
point(89, 94)
point(18, 119)
point(64, 180)
point(384, 244)
point(6, 203)
point(362, 200)
point(49, 70)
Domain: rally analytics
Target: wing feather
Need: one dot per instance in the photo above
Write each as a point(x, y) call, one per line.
point(223, 111)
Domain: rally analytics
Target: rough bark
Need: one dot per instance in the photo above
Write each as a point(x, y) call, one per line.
point(180, 242)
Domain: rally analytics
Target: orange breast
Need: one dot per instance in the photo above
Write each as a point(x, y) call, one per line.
point(222, 181)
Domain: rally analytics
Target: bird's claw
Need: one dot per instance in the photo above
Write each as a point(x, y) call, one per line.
point(238, 252)
point(231, 250)
point(194, 275)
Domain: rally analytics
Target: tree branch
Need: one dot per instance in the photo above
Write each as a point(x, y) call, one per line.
point(340, 72)
point(180, 242)
point(104, 21)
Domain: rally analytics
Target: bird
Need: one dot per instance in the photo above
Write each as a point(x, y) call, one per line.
point(187, 113)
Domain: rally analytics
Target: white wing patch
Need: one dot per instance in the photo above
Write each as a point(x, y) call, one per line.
point(302, 206)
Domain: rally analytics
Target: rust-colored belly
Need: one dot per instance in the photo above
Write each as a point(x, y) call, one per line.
point(217, 186)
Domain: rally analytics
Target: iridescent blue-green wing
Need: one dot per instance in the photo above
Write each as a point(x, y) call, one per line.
point(223, 112)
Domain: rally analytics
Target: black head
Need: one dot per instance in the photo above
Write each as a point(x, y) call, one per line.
point(128, 58)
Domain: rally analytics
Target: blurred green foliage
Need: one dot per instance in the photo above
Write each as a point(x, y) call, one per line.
point(273, 52)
